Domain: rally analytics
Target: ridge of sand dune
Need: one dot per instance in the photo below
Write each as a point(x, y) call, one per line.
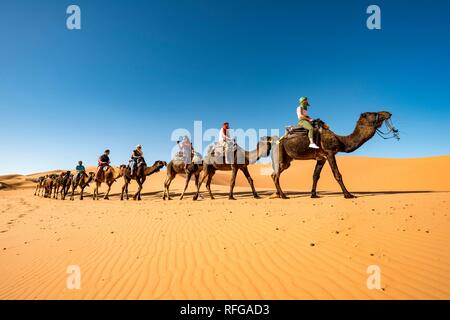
point(301, 248)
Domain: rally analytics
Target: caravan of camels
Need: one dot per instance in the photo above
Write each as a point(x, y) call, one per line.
point(294, 145)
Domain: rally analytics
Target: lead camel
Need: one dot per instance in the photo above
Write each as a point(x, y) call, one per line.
point(296, 148)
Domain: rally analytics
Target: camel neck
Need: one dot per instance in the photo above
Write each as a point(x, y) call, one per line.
point(254, 155)
point(357, 138)
point(151, 170)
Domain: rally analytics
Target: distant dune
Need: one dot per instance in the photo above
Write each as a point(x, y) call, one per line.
point(359, 173)
point(300, 248)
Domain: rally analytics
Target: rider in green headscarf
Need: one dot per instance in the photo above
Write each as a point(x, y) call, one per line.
point(305, 120)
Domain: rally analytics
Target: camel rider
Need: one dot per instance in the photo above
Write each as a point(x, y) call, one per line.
point(226, 142)
point(103, 163)
point(137, 156)
point(80, 170)
point(305, 120)
point(187, 151)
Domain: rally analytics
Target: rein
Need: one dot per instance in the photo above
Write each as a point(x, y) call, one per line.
point(385, 135)
point(391, 130)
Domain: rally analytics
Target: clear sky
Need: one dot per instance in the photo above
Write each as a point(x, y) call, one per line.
point(137, 70)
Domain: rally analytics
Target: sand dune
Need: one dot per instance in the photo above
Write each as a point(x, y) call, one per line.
point(247, 249)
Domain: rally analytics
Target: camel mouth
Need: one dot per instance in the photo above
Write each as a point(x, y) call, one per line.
point(384, 115)
point(386, 118)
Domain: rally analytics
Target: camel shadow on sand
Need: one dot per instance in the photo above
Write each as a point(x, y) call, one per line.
point(305, 194)
point(265, 194)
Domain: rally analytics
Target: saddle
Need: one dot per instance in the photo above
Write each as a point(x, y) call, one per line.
point(139, 163)
point(317, 124)
point(196, 157)
point(295, 130)
point(220, 156)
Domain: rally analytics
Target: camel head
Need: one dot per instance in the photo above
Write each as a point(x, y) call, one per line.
point(160, 164)
point(374, 119)
point(156, 167)
point(90, 177)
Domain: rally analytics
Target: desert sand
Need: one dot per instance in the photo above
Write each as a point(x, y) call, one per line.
point(299, 248)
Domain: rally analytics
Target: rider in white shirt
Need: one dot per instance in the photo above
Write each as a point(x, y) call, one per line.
point(226, 142)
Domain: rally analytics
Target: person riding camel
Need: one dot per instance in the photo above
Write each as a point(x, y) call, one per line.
point(80, 170)
point(187, 150)
point(305, 120)
point(137, 156)
point(226, 141)
point(103, 163)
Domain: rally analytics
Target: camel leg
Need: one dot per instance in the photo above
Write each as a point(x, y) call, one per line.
point(316, 177)
point(167, 183)
point(233, 182)
point(188, 178)
point(35, 191)
point(142, 187)
point(106, 197)
point(67, 191)
point(123, 189)
point(72, 193)
point(137, 195)
point(164, 188)
point(338, 176)
point(250, 181)
point(280, 162)
point(276, 180)
point(204, 176)
point(208, 185)
point(96, 189)
point(81, 193)
point(197, 178)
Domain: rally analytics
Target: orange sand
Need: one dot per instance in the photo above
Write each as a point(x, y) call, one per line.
point(300, 248)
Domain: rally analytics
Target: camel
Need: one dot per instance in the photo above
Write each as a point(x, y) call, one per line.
point(295, 147)
point(81, 181)
point(140, 175)
point(48, 185)
point(62, 185)
point(109, 176)
point(177, 167)
point(40, 185)
point(211, 164)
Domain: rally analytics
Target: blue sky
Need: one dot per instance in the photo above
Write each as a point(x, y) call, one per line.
point(140, 69)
